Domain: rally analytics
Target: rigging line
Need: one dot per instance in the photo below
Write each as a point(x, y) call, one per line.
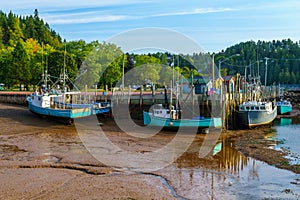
point(254, 62)
point(284, 59)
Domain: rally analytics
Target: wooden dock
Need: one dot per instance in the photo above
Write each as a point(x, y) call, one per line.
point(218, 105)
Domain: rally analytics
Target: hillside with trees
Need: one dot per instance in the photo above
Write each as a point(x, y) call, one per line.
point(282, 59)
point(28, 46)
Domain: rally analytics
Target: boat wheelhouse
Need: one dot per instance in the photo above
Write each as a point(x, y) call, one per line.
point(284, 107)
point(253, 113)
point(164, 117)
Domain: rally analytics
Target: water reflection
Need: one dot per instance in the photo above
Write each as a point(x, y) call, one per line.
point(223, 156)
point(230, 159)
point(283, 121)
point(228, 174)
point(288, 138)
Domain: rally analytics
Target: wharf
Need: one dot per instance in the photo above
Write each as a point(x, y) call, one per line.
point(222, 105)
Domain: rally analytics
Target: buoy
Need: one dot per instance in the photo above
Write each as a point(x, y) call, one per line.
point(171, 123)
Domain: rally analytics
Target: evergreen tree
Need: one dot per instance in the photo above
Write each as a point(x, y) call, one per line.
point(20, 68)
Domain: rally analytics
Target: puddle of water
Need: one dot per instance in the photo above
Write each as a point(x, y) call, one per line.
point(231, 175)
point(289, 137)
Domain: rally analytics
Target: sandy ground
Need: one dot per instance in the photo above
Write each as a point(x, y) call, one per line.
point(45, 159)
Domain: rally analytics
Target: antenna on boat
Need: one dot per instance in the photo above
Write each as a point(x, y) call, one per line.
point(44, 69)
point(64, 70)
point(171, 100)
point(44, 72)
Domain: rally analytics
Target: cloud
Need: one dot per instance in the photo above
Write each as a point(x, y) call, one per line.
point(196, 11)
point(103, 16)
point(82, 17)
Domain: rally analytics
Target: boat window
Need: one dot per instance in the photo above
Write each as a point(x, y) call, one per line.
point(247, 108)
point(39, 98)
point(256, 108)
point(160, 112)
point(252, 108)
point(242, 108)
point(168, 112)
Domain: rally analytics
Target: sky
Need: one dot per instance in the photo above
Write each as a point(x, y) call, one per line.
point(213, 24)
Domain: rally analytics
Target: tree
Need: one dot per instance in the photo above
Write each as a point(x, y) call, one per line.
point(112, 74)
point(20, 70)
point(5, 67)
point(287, 76)
point(15, 31)
point(30, 31)
point(147, 73)
point(58, 60)
point(94, 66)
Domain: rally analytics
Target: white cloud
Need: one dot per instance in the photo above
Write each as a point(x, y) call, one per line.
point(196, 11)
point(107, 18)
point(103, 16)
point(82, 17)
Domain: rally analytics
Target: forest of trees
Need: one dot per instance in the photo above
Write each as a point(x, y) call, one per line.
point(28, 45)
point(282, 59)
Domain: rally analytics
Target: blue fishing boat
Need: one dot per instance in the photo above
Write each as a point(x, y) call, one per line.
point(61, 106)
point(60, 102)
point(163, 117)
point(253, 113)
point(101, 108)
point(284, 107)
point(57, 106)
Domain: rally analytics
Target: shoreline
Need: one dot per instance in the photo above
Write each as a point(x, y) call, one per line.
point(50, 162)
point(249, 143)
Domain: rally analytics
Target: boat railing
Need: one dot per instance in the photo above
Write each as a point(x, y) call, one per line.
point(252, 108)
point(61, 105)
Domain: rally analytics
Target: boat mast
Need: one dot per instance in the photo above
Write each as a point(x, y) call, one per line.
point(170, 105)
point(171, 88)
point(64, 71)
point(45, 68)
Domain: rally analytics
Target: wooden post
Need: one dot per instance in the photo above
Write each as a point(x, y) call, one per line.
point(85, 94)
point(141, 96)
point(193, 98)
point(213, 79)
point(129, 94)
point(96, 93)
point(106, 90)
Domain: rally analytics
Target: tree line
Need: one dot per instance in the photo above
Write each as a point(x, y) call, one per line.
point(28, 46)
point(279, 59)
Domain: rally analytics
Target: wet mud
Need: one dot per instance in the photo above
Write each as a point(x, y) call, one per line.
point(45, 159)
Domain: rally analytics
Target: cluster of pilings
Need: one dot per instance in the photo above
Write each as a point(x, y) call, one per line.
point(214, 105)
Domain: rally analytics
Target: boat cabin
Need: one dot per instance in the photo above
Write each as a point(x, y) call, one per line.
point(256, 106)
point(283, 103)
point(40, 100)
point(159, 111)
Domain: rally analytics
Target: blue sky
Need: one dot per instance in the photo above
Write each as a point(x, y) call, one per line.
point(213, 24)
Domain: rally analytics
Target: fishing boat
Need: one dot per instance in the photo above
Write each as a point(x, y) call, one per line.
point(64, 105)
point(284, 107)
point(171, 116)
point(57, 105)
point(164, 117)
point(60, 102)
point(101, 108)
point(254, 113)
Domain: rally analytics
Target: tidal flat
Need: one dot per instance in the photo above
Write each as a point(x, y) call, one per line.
point(46, 159)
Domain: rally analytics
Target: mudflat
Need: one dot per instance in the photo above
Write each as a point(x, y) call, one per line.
point(46, 159)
